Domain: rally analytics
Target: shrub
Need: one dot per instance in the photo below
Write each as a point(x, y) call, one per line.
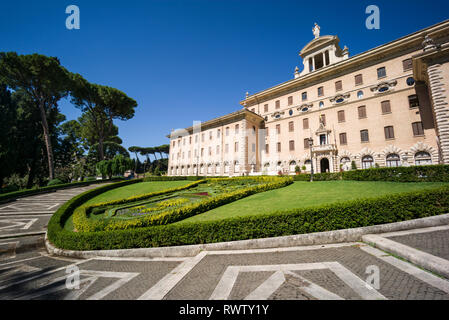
point(433, 173)
point(351, 214)
point(54, 182)
point(319, 176)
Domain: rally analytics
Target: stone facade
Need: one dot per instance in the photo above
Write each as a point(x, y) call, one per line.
point(384, 107)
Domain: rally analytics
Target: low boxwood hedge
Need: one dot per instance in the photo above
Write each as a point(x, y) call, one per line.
point(5, 197)
point(350, 214)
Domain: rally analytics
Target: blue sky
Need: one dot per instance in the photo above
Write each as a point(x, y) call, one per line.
point(194, 60)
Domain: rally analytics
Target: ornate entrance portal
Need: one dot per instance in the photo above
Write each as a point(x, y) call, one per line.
point(324, 165)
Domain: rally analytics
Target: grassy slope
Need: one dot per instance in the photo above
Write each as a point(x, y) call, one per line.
point(136, 189)
point(305, 194)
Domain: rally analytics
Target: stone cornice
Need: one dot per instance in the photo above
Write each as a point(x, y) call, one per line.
point(413, 40)
point(220, 121)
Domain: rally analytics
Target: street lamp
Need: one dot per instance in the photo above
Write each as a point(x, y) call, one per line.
point(311, 159)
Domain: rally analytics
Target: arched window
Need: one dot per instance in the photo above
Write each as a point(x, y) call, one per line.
point(189, 170)
point(423, 158)
point(321, 105)
point(393, 160)
point(367, 162)
point(226, 167)
point(266, 165)
point(202, 169)
point(360, 94)
point(292, 166)
point(345, 163)
point(236, 166)
point(217, 168)
point(182, 171)
point(209, 169)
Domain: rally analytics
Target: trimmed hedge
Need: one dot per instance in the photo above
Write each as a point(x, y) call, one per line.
point(27, 192)
point(432, 173)
point(83, 224)
point(351, 214)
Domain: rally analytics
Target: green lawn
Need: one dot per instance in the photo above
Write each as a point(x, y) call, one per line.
point(136, 189)
point(305, 194)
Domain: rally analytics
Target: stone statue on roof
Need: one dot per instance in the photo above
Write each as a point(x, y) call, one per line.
point(316, 30)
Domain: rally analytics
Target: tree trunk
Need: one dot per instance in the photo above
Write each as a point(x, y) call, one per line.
point(47, 140)
point(101, 148)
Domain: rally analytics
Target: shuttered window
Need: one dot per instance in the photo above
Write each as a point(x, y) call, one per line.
point(418, 129)
point(306, 143)
point(290, 101)
point(320, 91)
point(338, 86)
point(364, 137)
point(386, 107)
point(358, 79)
point(362, 112)
point(278, 128)
point(389, 132)
point(341, 116)
point(407, 64)
point(291, 145)
point(291, 126)
point(305, 123)
point(278, 104)
point(343, 138)
point(278, 147)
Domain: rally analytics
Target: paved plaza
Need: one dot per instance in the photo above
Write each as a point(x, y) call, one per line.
point(331, 272)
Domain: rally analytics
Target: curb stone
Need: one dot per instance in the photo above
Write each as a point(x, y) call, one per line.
point(328, 237)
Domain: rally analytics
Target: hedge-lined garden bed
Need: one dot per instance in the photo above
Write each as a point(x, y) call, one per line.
point(351, 214)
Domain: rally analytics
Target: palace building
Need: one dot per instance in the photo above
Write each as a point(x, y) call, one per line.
point(388, 106)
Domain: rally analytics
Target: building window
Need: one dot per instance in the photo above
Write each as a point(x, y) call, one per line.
point(210, 151)
point(306, 143)
point(413, 101)
point(291, 126)
point(381, 73)
point(310, 65)
point(338, 86)
point(323, 119)
point(267, 148)
point(290, 100)
point(320, 91)
point(292, 166)
point(210, 135)
point(407, 64)
point(358, 79)
point(360, 94)
point(218, 150)
point(410, 81)
point(226, 148)
point(364, 137)
point(304, 96)
point(341, 116)
point(237, 129)
point(265, 108)
point(202, 137)
point(393, 160)
point(362, 112)
point(218, 133)
point(367, 162)
point(278, 104)
point(291, 145)
point(418, 129)
point(278, 147)
point(190, 140)
point(278, 129)
point(305, 123)
point(290, 112)
point(174, 143)
point(227, 131)
point(422, 158)
point(321, 104)
point(236, 147)
point(343, 140)
point(389, 132)
point(202, 151)
point(386, 107)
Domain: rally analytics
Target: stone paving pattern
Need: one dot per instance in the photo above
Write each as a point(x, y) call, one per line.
point(435, 243)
